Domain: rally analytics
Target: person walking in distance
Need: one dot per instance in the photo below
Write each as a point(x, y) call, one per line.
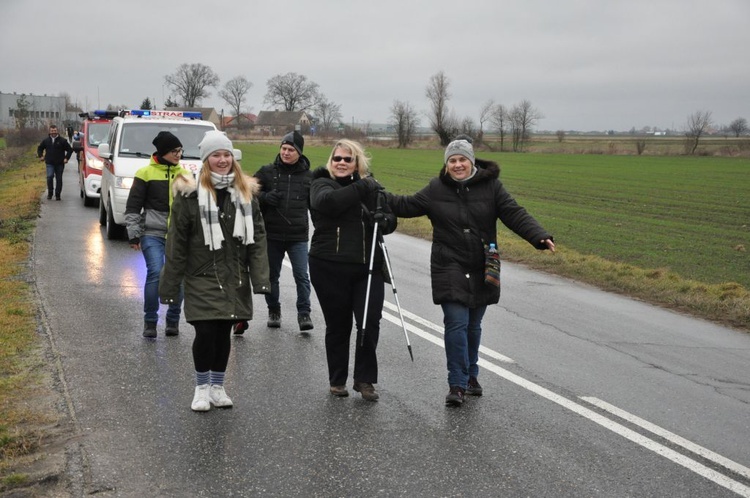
point(217, 244)
point(344, 206)
point(147, 217)
point(284, 201)
point(463, 204)
point(55, 151)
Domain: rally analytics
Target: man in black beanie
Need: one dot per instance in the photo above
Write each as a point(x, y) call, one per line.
point(146, 214)
point(284, 201)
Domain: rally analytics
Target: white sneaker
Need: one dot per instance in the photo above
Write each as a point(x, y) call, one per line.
point(219, 397)
point(201, 400)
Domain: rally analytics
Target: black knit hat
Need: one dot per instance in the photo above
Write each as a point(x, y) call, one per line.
point(295, 140)
point(165, 141)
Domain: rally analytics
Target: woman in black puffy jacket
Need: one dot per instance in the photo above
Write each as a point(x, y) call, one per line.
point(463, 204)
point(345, 205)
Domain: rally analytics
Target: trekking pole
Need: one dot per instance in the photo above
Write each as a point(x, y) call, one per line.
point(369, 281)
point(395, 293)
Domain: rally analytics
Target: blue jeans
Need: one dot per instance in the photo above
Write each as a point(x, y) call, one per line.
point(297, 252)
point(153, 252)
point(54, 171)
point(463, 332)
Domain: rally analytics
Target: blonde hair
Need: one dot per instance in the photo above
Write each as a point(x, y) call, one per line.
point(361, 158)
point(239, 184)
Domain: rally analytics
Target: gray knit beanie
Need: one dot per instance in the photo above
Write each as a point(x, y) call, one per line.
point(212, 141)
point(460, 147)
point(295, 139)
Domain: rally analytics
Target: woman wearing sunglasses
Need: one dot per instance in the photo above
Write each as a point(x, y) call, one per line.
point(346, 203)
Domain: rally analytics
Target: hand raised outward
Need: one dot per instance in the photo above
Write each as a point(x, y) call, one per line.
point(272, 198)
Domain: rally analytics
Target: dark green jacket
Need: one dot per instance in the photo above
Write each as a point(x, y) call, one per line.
point(218, 284)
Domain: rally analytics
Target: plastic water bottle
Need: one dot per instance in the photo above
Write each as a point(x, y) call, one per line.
point(492, 266)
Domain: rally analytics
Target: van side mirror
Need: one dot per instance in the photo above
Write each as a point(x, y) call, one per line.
point(103, 150)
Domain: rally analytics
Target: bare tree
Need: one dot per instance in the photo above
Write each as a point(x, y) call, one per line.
point(697, 125)
point(329, 115)
point(404, 119)
point(438, 95)
point(485, 114)
point(292, 92)
point(523, 117)
point(191, 82)
point(500, 119)
point(234, 94)
point(467, 128)
point(560, 135)
point(738, 126)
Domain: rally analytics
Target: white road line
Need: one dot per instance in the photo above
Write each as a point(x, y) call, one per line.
point(629, 434)
point(671, 437)
point(438, 328)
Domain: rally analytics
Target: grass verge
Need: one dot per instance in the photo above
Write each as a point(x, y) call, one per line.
point(25, 412)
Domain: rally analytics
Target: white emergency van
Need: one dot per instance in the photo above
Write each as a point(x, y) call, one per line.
point(128, 147)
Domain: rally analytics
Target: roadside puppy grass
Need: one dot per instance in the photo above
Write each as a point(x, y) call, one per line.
point(22, 370)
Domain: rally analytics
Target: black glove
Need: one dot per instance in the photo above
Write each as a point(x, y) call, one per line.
point(380, 219)
point(134, 241)
point(272, 198)
point(367, 185)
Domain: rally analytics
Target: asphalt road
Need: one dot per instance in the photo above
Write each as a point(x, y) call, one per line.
point(586, 393)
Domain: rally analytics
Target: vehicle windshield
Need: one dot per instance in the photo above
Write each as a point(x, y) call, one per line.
point(137, 138)
point(97, 133)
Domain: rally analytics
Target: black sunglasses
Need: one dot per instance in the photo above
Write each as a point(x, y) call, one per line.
point(346, 159)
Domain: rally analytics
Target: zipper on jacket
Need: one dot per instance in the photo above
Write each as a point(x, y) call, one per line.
point(364, 241)
point(338, 238)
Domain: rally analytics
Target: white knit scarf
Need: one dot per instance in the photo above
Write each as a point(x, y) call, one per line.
point(243, 219)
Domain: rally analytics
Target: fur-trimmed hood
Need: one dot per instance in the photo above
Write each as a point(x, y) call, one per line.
point(186, 185)
point(485, 170)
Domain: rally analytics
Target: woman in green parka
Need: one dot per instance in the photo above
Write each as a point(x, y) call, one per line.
point(216, 242)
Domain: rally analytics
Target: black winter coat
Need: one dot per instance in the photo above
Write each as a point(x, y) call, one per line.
point(343, 220)
point(464, 219)
point(288, 221)
point(54, 152)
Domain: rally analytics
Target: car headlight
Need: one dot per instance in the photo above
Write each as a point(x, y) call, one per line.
point(94, 162)
point(123, 182)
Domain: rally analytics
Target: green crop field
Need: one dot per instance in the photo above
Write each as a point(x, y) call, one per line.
point(688, 215)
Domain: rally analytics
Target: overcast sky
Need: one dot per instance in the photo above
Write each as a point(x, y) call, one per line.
point(584, 65)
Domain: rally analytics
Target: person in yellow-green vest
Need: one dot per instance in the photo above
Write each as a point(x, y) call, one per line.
point(146, 216)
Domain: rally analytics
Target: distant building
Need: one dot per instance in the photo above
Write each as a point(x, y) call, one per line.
point(281, 122)
point(41, 111)
point(209, 113)
point(245, 120)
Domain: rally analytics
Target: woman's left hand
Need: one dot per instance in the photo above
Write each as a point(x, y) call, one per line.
point(550, 245)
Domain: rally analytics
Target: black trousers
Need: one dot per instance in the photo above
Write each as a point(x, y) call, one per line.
point(341, 290)
point(212, 345)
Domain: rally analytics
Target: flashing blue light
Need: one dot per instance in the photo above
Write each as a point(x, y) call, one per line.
point(166, 113)
point(105, 114)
